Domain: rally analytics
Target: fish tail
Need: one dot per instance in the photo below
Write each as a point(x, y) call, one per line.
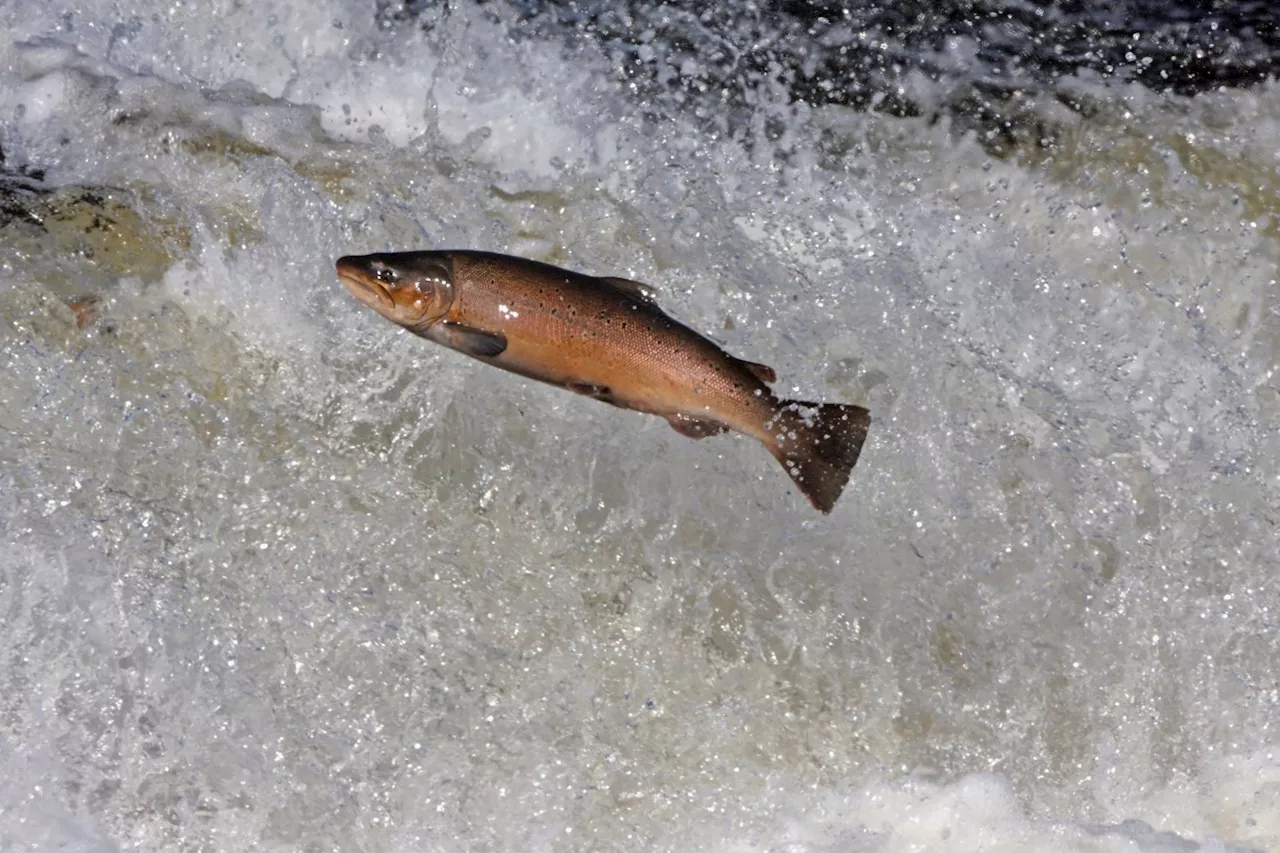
point(820, 450)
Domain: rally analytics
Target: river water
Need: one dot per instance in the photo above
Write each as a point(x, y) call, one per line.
point(277, 576)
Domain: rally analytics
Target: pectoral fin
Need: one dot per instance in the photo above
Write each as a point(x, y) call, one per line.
point(695, 427)
point(474, 342)
point(633, 289)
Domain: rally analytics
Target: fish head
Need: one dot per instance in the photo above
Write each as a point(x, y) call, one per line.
point(411, 289)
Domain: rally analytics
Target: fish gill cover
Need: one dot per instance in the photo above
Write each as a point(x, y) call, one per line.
point(275, 577)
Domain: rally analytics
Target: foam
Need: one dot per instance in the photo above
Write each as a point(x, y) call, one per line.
point(285, 577)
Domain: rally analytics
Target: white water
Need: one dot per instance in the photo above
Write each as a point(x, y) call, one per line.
point(276, 576)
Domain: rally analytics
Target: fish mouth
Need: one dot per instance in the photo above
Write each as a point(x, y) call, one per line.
point(363, 286)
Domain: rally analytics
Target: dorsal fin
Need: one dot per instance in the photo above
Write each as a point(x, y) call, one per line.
point(634, 289)
point(763, 372)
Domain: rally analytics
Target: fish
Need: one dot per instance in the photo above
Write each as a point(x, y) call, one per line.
point(607, 338)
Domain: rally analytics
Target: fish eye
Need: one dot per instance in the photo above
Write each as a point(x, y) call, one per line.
point(384, 275)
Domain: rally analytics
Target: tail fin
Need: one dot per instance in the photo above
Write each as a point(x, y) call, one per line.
point(820, 452)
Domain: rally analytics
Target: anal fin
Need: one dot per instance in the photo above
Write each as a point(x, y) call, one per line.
point(695, 427)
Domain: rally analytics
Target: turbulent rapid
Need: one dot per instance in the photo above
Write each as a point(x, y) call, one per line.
point(606, 338)
point(276, 574)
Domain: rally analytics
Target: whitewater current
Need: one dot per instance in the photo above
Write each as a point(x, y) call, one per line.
point(276, 575)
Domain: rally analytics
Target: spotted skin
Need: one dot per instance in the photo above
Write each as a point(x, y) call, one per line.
point(606, 339)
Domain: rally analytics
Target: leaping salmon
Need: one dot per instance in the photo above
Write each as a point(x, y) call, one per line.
point(607, 338)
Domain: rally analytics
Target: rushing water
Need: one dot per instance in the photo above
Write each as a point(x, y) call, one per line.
point(277, 576)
